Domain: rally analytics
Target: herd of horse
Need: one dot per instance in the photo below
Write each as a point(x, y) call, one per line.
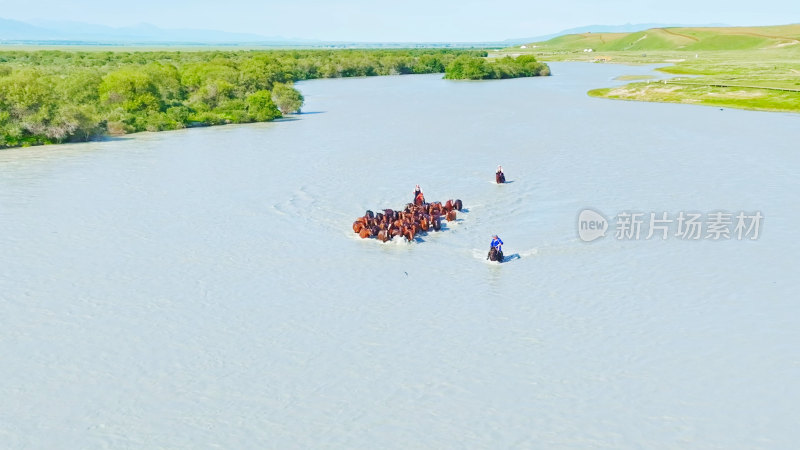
point(406, 223)
point(415, 218)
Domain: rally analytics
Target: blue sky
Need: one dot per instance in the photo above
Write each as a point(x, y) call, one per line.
point(401, 20)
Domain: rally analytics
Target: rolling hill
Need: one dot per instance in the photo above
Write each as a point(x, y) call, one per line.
point(678, 39)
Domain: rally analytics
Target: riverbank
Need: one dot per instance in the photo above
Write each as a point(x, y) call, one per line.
point(755, 68)
point(55, 96)
point(52, 96)
point(754, 80)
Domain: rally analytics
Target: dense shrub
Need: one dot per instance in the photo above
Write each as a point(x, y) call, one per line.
point(470, 68)
point(54, 96)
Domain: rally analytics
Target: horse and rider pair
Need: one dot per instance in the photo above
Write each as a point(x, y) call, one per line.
point(496, 247)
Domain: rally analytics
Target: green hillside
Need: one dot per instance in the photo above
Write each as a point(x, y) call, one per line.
point(677, 39)
point(736, 67)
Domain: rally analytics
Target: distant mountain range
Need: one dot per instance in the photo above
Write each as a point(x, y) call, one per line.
point(64, 32)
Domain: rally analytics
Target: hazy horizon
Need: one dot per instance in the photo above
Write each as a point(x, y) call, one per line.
point(413, 21)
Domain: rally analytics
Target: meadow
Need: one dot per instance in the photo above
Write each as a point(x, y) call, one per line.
point(740, 67)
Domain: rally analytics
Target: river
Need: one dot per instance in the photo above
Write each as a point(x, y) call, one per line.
point(203, 288)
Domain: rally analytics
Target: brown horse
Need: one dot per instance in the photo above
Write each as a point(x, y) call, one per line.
point(408, 233)
point(437, 222)
point(424, 224)
point(448, 206)
point(495, 255)
point(407, 222)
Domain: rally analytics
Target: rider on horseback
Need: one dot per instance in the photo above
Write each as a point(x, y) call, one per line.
point(496, 249)
point(497, 243)
point(419, 199)
point(499, 176)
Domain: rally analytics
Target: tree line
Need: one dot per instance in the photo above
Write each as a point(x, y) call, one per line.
point(467, 68)
point(52, 96)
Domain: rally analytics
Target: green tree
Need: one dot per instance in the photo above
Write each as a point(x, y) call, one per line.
point(259, 73)
point(469, 68)
point(212, 94)
point(429, 64)
point(80, 87)
point(80, 122)
point(132, 89)
point(261, 108)
point(53, 96)
point(167, 81)
point(287, 98)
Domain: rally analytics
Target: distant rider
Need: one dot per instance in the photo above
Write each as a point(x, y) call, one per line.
point(419, 199)
point(499, 176)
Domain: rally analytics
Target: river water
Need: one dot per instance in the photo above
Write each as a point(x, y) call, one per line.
point(203, 288)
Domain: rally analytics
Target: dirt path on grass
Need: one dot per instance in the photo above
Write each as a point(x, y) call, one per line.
point(681, 35)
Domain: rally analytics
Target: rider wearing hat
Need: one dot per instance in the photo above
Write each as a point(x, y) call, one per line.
point(497, 243)
point(499, 176)
point(419, 199)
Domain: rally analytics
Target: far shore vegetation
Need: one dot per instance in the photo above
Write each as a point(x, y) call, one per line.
point(468, 68)
point(53, 96)
point(754, 68)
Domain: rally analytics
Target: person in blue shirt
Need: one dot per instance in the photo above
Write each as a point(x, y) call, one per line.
point(496, 249)
point(497, 243)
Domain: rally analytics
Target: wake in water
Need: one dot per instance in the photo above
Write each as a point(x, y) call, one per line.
point(482, 254)
point(416, 218)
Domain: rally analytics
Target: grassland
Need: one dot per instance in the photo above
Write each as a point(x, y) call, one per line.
point(741, 67)
point(634, 77)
